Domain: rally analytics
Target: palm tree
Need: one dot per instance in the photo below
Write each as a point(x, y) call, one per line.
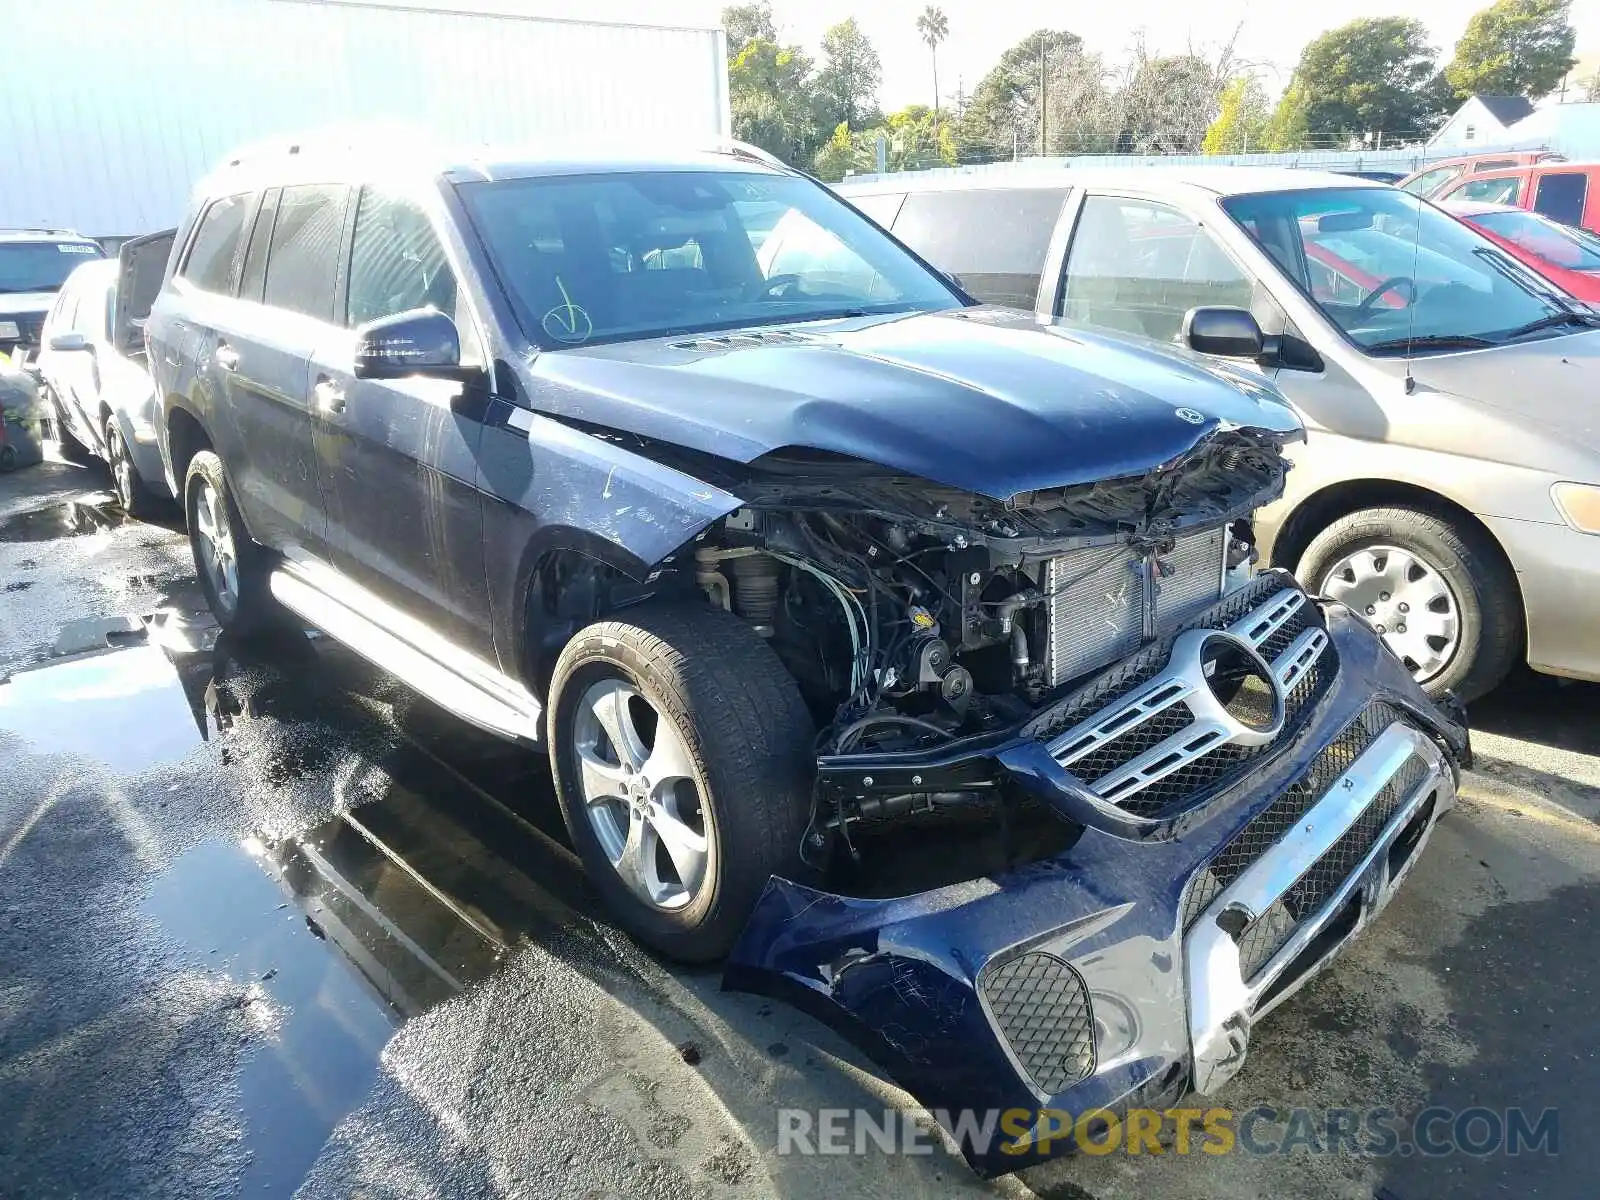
point(934, 27)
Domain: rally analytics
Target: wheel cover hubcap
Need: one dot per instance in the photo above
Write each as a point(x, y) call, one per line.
point(214, 542)
point(641, 795)
point(1406, 600)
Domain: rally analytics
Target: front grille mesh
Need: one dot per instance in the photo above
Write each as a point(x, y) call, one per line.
point(1261, 834)
point(1041, 1007)
point(1271, 931)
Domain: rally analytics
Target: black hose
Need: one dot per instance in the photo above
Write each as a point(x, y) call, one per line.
point(848, 737)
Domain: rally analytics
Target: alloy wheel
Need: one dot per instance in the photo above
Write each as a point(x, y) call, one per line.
point(1406, 600)
point(215, 545)
point(641, 795)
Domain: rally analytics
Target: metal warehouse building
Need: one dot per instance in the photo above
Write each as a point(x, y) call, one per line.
point(114, 110)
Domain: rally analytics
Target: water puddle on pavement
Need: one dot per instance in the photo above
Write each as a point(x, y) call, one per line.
point(337, 933)
point(73, 518)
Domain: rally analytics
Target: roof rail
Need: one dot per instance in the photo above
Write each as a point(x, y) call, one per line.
point(38, 229)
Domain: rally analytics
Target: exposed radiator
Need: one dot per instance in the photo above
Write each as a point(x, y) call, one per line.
point(1098, 597)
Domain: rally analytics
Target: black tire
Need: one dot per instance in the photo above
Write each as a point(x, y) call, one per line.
point(748, 735)
point(135, 496)
point(252, 607)
point(1471, 564)
point(67, 443)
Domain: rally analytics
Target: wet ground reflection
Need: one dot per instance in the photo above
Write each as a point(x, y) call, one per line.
point(337, 932)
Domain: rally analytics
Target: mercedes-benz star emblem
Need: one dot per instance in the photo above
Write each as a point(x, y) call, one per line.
point(1189, 415)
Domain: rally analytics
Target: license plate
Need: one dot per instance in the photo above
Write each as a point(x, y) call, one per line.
point(8, 329)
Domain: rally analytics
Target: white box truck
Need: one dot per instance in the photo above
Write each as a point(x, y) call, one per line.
point(114, 110)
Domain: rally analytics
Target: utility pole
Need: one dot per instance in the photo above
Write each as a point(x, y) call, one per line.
point(1043, 101)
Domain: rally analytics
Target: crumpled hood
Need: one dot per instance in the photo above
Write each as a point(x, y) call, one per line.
point(1550, 381)
point(979, 399)
point(27, 303)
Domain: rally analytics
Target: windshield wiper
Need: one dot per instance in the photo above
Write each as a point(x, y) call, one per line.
point(1554, 321)
point(1431, 341)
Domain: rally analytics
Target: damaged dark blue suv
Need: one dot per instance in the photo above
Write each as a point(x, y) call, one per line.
point(901, 651)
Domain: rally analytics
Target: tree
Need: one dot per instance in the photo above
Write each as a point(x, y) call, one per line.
point(1289, 127)
point(1168, 105)
point(847, 85)
point(1591, 89)
point(747, 22)
point(1373, 75)
point(1243, 119)
point(913, 141)
point(770, 93)
point(934, 27)
point(1004, 110)
point(1514, 48)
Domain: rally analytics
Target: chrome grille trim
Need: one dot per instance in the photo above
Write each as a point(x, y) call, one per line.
point(1182, 683)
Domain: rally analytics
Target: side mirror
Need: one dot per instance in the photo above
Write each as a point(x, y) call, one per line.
point(1225, 332)
point(422, 342)
point(69, 342)
point(954, 278)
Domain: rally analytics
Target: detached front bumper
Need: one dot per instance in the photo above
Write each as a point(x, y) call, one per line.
point(1132, 965)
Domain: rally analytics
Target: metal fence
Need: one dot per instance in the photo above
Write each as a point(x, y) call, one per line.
point(1404, 161)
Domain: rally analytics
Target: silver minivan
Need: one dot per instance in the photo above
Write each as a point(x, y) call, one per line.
point(1449, 487)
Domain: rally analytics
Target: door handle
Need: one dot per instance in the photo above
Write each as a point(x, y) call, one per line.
point(328, 397)
point(227, 357)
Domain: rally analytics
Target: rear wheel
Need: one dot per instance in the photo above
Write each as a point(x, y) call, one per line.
point(133, 494)
point(682, 754)
point(1439, 593)
point(67, 442)
point(234, 571)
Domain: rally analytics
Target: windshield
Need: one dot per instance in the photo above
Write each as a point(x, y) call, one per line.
point(1575, 249)
point(40, 266)
point(600, 258)
point(1391, 271)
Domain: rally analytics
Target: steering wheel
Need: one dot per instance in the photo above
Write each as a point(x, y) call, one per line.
point(1388, 285)
point(770, 289)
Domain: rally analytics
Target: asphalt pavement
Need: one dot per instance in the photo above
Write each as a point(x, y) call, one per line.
point(271, 925)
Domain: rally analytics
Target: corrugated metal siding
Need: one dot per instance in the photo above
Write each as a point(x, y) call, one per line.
point(114, 111)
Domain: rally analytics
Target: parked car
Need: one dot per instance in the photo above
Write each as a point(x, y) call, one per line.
point(544, 439)
point(1562, 254)
point(1564, 192)
point(1450, 484)
point(1433, 179)
point(34, 263)
point(97, 384)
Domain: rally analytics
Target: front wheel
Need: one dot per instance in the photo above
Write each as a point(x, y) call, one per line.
point(1439, 593)
point(682, 755)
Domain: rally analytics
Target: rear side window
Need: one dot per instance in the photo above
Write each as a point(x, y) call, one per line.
point(396, 261)
point(1561, 196)
point(995, 240)
point(303, 262)
point(255, 258)
point(1137, 267)
point(209, 263)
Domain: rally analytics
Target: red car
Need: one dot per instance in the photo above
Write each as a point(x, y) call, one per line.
point(1566, 256)
point(1568, 192)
